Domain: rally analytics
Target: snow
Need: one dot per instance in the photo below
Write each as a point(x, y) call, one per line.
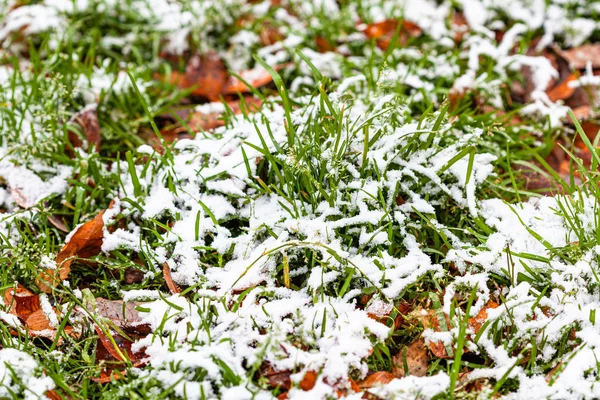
point(21, 375)
point(207, 187)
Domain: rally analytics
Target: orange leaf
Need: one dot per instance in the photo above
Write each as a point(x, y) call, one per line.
point(562, 91)
point(376, 378)
point(256, 78)
point(384, 31)
point(477, 321)
point(309, 381)
point(37, 321)
point(206, 74)
point(22, 302)
point(173, 288)
point(86, 242)
point(107, 376)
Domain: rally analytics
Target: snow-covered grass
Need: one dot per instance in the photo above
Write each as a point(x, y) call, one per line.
point(373, 186)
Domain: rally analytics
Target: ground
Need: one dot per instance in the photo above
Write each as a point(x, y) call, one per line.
point(235, 199)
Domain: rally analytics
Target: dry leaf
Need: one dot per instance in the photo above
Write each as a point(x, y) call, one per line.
point(562, 91)
point(206, 74)
point(578, 57)
point(107, 376)
point(59, 222)
point(120, 350)
point(86, 242)
point(37, 321)
point(21, 302)
point(87, 119)
point(123, 315)
point(376, 378)
point(384, 32)
point(477, 321)
point(52, 395)
point(309, 381)
point(416, 360)
point(256, 78)
point(173, 288)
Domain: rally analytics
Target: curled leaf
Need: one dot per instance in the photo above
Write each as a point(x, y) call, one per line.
point(173, 288)
point(84, 243)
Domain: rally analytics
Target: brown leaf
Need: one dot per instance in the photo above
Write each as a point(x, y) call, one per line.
point(59, 222)
point(52, 395)
point(199, 121)
point(206, 74)
point(173, 288)
point(21, 302)
point(578, 57)
point(384, 31)
point(108, 375)
point(37, 321)
point(123, 314)
point(86, 242)
point(582, 112)
point(133, 275)
point(477, 321)
point(323, 45)
point(309, 381)
point(120, 350)
point(256, 78)
point(87, 119)
point(416, 360)
point(562, 91)
point(276, 379)
point(270, 35)
point(376, 378)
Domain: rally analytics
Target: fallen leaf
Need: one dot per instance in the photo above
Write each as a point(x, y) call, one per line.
point(107, 376)
point(476, 322)
point(384, 31)
point(578, 57)
point(257, 77)
point(21, 302)
point(309, 381)
point(375, 379)
point(205, 74)
point(117, 346)
point(59, 222)
point(86, 242)
point(123, 314)
point(52, 395)
point(562, 91)
point(87, 119)
point(323, 45)
point(416, 360)
point(199, 120)
point(133, 275)
point(582, 112)
point(270, 35)
point(173, 288)
point(431, 320)
point(37, 321)
point(275, 379)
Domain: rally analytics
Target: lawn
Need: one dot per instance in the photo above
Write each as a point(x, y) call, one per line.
point(290, 199)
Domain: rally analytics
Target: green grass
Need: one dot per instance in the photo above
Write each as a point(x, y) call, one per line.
point(367, 205)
